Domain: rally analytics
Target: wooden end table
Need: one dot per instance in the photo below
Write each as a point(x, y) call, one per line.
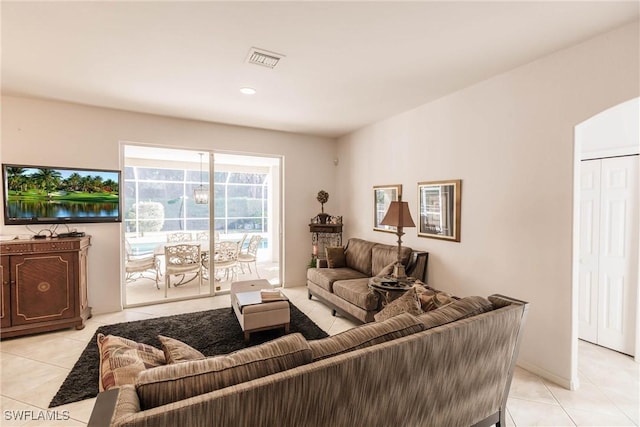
point(390, 288)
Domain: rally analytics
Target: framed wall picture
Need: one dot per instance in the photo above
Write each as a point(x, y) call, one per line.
point(383, 195)
point(439, 207)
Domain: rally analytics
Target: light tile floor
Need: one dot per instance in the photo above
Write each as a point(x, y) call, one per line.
point(34, 367)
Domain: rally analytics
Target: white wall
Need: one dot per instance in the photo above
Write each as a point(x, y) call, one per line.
point(510, 139)
point(60, 134)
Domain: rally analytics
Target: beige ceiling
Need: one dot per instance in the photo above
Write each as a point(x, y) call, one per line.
point(347, 64)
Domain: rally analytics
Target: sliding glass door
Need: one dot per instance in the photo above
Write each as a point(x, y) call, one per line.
point(160, 189)
point(247, 206)
point(177, 193)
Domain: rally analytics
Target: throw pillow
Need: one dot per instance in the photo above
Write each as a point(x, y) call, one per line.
point(383, 255)
point(433, 301)
point(172, 383)
point(431, 298)
point(121, 360)
point(422, 289)
point(387, 270)
point(407, 303)
point(176, 351)
point(335, 257)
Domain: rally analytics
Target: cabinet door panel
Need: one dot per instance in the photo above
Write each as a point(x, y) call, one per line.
point(44, 288)
point(5, 296)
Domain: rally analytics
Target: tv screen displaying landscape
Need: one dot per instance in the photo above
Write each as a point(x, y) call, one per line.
point(50, 195)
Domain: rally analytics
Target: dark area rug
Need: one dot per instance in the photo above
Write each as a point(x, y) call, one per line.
point(211, 332)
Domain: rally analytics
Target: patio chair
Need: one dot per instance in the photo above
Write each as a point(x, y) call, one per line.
point(137, 265)
point(250, 256)
point(241, 242)
point(203, 238)
point(182, 259)
point(226, 259)
point(180, 236)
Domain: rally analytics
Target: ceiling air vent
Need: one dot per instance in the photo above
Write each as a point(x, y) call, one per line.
point(263, 57)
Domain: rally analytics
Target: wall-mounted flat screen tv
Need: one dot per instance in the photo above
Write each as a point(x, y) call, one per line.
point(54, 195)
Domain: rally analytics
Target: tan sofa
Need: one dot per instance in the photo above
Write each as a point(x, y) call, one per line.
point(448, 367)
point(346, 288)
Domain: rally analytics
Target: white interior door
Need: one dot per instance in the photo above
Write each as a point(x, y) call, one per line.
point(589, 250)
point(618, 280)
point(608, 276)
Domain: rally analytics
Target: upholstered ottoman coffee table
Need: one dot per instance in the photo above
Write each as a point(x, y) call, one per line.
point(253, 313)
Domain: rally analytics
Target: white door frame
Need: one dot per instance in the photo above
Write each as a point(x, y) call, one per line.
point(632, 147)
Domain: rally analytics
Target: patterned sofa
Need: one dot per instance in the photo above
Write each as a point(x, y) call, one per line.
point(345, 286)
point(451, 366)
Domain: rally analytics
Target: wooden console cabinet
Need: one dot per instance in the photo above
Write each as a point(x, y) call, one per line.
point(44, 285)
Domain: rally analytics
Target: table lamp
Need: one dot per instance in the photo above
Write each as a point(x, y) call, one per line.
point(398, 216)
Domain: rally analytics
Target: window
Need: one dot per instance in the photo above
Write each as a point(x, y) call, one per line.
point(240, 202)
point(158, 199)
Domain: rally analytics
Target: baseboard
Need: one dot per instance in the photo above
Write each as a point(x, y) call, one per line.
point(562, 382)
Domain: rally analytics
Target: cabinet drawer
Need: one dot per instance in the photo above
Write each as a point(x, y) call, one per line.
point(41, 246)
point(15, 248)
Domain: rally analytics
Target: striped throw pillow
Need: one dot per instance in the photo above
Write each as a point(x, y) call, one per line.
point(121, 360)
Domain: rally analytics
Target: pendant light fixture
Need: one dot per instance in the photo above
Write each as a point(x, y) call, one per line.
point(201, 194)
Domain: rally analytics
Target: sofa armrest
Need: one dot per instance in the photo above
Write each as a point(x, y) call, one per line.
point(104, 408)
point(498, 301)
point(112, 404)
point(417, 265)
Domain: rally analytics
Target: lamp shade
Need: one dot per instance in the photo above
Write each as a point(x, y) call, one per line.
point(398, 215)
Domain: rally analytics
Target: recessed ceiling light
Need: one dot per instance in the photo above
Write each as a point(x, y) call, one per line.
point(247, 90)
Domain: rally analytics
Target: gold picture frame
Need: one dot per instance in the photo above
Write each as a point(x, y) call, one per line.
point(439, 209)
point(383, 195)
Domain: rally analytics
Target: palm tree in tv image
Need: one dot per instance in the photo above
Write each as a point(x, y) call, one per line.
point(73, 182)
point(94, 184)
point(48, 180)
point(16, 181)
